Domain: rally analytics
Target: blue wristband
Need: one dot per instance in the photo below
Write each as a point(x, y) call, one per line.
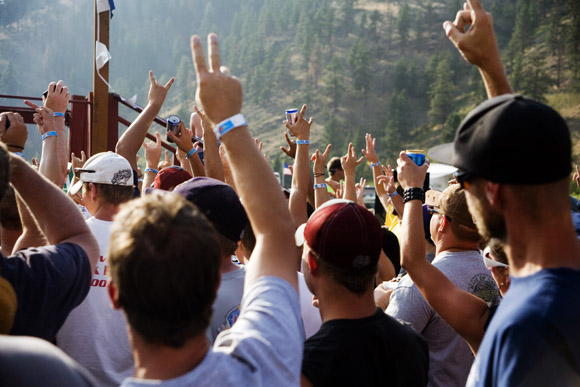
point(151, 170)
point(393, 194)
point(58, 114)
point(190, 153)
point(48, 134)
point(19, 154)
point(229, 124)
point(321, 185)
point(303, 142)
point(375, 164)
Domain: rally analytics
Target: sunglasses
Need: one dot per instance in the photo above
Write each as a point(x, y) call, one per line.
point(462, 178)
point(432, 210)
point(77, 172)
point(489, 262)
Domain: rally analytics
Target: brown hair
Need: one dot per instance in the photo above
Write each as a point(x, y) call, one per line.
point(112, 194)
point(164, 258)
point(357, 281)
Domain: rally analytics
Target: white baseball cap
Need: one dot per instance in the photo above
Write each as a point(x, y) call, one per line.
point(104, 168)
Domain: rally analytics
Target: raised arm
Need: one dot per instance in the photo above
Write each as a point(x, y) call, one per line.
point(301, 175)
point(185, 144)
point(463, 311)
point(221, 97)
point(349, 163)
point(57, 100)
point(478, 46)
point(152, 156)
point(212, 161)
point(130, 142)
point(320, 191)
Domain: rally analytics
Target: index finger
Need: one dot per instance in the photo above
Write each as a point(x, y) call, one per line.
point(31, 104)
point(198, 56)
point(325, 154)
point(151, 77)
point(475, 5)
point(214, 52)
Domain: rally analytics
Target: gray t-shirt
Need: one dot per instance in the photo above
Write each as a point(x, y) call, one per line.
point(263, 348)
point(450, 356)
point(226, 307)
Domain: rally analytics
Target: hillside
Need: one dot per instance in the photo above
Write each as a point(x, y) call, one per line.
point(383, 67)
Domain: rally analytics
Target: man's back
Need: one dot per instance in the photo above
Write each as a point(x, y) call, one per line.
point(450, 356)
point(95, 334)
point(534, 339)
point(371, 351)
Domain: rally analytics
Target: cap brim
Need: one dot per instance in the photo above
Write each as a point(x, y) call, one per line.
point(432, 198)
point(299, 235)
point(76, 187)
point(444, 153)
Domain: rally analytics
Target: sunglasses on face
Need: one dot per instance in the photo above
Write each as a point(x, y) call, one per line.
point(462, 178)
point(489, 262)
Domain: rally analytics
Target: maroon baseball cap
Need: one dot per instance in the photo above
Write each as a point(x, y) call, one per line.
point(343, 234)
point(170, 177)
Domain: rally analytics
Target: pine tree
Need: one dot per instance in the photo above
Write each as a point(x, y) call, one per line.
point(403, 23)
point(333, 82)
point(442, 93)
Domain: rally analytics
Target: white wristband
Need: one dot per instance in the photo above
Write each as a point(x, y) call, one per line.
point(229, 124)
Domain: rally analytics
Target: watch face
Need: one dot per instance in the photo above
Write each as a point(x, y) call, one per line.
point(173, 120)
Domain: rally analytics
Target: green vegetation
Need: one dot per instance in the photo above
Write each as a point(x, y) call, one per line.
point(383, 67)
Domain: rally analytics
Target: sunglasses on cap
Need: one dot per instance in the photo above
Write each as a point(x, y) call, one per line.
point(489, 262)
point(462, 178)
point(77, 172)
point(432, 210)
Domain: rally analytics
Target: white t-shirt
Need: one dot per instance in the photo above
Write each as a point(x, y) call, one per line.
point(95, 334)
point(263, 348)
point(310, 314)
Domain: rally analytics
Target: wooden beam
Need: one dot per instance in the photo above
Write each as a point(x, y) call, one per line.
point(100, 116)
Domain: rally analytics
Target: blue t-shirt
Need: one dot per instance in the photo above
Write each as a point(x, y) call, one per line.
point(534, 337)
point(49, 282)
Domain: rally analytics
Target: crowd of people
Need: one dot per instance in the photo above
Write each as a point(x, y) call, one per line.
point(210, 273)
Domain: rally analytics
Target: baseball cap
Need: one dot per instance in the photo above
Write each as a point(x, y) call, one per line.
point(513, 140)
point(104, 168)
point(451, 203)
point(170, 177)
point(344, 235)
point(219, 203)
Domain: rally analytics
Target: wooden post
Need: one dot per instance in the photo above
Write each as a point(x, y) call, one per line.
point(100, 116)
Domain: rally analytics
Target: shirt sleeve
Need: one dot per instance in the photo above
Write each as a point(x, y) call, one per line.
point(49, 282)
point(408, 304)
point(268, 336)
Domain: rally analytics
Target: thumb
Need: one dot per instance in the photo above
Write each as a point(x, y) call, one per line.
point(452, 32)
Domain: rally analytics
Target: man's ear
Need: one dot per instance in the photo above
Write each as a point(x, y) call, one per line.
point(492, 194)
point(92, 191)
point(443, 223)
point(113, 295)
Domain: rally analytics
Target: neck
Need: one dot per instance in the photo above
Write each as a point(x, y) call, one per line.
point(533, 246)
point(452, 245)
point(105, 211)
point(160, 362)
point(336, 302)
point(227, 265)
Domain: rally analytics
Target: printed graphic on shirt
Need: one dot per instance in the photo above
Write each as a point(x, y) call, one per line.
point(100, 278)
point(484, 287)
point(231, 318)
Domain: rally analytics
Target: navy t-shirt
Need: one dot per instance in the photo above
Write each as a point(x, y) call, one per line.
point(49, 282)
point(534, 337)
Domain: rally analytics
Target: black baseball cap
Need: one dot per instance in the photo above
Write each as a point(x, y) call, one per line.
point(511, 139)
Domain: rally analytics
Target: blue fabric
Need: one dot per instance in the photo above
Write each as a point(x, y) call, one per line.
point(112, 5)
point(534, 337)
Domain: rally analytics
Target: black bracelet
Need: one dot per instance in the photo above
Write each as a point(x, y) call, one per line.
point(15, 146)
point(414, 194)
point(318, 174)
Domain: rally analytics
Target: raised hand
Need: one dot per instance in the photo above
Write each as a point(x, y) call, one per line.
point(153, 152)
point(349, 161)
point(360, 190)
point(76, 162)
point(370, 152)
point(410, 175)
point(166, 162)
point(158, 92)
point(57, 98)
point(301, 129)
point(183, 139)
point(291, 150)
point(320, 160)
point(15, 136)
point(221, 95)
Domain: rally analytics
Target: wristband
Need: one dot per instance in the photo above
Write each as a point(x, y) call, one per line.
point(15, 146)
point(48, 134)
point(392, 194)
point(229, 124)
point(19, 154)
point(319, 175)
point(303, 142)
point(58, 114)
point(151, 170)
point(414, 194)
point(191, 153)
point(375, 164)
point(321, 185)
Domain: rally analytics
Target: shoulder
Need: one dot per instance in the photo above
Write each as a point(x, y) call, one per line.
point(18, 355)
